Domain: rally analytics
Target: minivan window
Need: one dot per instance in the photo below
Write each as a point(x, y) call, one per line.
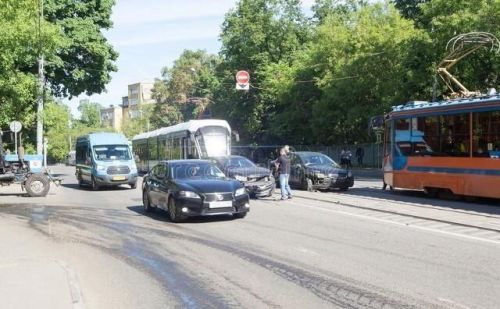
point(112, 152)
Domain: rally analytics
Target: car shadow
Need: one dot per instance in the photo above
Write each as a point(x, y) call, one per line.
point(161, 215)
point(75, 186)
point(19, 194)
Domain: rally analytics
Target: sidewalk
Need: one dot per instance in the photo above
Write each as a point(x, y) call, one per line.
point(30, 276)
point(367, 172)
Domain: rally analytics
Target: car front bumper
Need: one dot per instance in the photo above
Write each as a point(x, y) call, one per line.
point(112, 180)
point(332, 183)
point(200, 207)
point(260, 188)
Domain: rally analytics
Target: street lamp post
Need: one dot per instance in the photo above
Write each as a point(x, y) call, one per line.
point(41, 81)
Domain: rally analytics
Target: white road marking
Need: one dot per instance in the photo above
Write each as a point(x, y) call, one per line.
point(470, 237)
point(454, 304)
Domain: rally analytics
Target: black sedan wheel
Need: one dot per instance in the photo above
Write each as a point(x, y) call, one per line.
point(173, 211)
point(145, 202)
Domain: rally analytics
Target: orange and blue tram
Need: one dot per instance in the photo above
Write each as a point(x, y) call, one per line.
point(451, 145)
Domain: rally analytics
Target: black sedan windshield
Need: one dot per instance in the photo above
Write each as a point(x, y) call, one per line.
point(317, 159)
point(195, 171)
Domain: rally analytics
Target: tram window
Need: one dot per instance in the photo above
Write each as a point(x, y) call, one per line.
point(486, 134)
point(153, 150)
point(402, 124)
point(455, 135)
point(429, 126)
point(404, 148)
point(161, 149)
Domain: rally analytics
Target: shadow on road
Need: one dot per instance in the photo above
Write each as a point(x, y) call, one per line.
point(75, 186)
point(161, 215)
point(480, 205)
point(19, 194)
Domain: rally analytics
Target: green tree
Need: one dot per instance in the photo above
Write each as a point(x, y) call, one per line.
point(19, 50)
point(444, 20)
point(84, 62)
point(90, 113)
point(186, 89)
point(139, 124)
point(78, 57)
point(57, 130)
point(256, 34)
point(346, 60)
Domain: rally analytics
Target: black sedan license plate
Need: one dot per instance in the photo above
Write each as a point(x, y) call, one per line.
point(222, 204)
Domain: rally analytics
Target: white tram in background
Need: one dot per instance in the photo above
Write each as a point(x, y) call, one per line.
point(195, 139)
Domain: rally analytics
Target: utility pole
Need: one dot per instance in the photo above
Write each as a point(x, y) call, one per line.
point(41, 85)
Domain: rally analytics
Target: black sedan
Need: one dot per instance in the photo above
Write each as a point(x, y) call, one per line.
point(258, 181)
point(316, 171)
point(187, 188)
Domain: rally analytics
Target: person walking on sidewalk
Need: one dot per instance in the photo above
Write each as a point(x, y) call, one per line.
point(283, 163)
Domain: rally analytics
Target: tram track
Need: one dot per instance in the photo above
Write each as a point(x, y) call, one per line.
point(427, 222)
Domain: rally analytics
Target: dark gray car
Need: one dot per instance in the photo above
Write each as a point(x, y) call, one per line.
point(314, 170)
point(258, 181)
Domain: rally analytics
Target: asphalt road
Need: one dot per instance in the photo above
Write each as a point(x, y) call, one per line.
point(301, 253)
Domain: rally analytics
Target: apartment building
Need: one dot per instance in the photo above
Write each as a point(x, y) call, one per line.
point(139, 94)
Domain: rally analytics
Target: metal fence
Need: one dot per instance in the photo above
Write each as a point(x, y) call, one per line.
point(262, 154)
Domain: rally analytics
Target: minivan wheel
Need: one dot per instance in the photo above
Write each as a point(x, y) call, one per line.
point(94, 184)
point(80, 180)
point(133, 185)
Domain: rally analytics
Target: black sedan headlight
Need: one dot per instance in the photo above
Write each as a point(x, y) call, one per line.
point(189, 194)
point(240, 191)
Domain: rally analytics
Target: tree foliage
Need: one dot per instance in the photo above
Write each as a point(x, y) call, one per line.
point(256, 34)
point(185, 90)
point(90, 113)
point(57, 122)
point(19, 50)
point(77, 56)
point(84, 62)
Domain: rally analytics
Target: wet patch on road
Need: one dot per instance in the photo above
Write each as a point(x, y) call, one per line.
point(190, 291)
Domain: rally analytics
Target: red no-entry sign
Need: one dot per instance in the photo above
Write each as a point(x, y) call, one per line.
point(242, 80)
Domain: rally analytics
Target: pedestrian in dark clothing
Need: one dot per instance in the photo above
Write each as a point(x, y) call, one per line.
point(345, 158)
point(360, 152)
point(283, 163)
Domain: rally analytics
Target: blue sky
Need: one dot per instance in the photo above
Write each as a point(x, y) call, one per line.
point(151, 34)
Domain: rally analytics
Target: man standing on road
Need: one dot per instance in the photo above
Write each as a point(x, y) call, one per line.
point(284, 169)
